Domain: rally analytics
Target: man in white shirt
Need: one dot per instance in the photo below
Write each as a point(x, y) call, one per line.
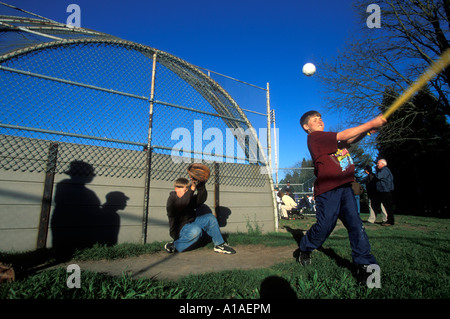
point(287, 204)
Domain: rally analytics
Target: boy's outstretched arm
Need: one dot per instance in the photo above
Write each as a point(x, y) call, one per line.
point(355, 134)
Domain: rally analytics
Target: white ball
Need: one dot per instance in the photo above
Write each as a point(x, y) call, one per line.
point(309, 69)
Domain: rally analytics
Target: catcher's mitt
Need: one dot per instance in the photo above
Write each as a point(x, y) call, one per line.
point(199, 172)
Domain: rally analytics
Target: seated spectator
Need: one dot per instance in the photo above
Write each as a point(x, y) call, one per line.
point(287, 204)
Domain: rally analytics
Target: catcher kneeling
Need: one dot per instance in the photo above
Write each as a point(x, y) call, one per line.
point(187, 223)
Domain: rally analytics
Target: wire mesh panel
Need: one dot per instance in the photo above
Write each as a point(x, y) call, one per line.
point(78, 104)
point(32, 100)
point(190, 101)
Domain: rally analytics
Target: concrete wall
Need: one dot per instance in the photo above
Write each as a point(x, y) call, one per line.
point(78, 203)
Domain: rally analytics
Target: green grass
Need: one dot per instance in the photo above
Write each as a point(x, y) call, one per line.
point(413, 256)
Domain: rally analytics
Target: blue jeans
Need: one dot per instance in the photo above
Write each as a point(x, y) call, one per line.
point(339, 203)
point(191, 233)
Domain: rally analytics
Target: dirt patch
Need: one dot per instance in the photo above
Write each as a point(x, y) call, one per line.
point(163, 265)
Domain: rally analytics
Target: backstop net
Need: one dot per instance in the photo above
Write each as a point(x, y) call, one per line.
point(130, 110)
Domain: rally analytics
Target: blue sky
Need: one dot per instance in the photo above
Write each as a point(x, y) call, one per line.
point(256, 41)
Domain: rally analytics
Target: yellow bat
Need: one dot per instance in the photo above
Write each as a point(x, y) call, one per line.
point(431, 72)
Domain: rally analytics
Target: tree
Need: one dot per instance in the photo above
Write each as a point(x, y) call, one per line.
point(302, 177)
point(361, 159)
point(413, 34)
point(420, 157)
point(374, 68)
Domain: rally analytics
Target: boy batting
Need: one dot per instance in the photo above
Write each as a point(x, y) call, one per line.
point(334, 169)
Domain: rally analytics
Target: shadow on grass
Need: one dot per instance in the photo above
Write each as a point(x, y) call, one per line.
point(297, 234)
point(275, 287)
point(29, 263)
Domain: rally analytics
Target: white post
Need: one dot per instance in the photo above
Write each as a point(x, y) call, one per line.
point(269, 161)
point(275, 145)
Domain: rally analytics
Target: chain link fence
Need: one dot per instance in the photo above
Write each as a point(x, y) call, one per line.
point(70, 95)
point(60, 107)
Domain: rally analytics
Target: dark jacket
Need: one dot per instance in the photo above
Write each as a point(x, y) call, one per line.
point(385, 180)
point(181, 211)
point(371, 186)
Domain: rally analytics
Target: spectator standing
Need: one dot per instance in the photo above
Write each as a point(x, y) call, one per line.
point(371, 189)
point(384, 188)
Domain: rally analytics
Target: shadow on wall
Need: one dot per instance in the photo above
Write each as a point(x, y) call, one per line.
point(79, 220)
point(222, 213)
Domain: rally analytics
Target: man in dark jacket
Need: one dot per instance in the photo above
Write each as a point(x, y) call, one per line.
point(371, 189)
point(384, 187)
point(186, 223)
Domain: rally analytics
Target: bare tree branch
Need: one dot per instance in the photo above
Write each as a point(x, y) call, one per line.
point(379, 64)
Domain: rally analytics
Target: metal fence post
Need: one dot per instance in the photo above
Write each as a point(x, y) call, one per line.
point(216, 189)
point(275, 146)
point(269, 144)
point(269, 160)
point(47, 196)
point(148, 166)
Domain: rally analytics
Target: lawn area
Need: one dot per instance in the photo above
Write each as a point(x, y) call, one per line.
point(413, 257)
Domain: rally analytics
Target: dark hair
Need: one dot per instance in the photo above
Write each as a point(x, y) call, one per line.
point(305, 118)
point(182, 182)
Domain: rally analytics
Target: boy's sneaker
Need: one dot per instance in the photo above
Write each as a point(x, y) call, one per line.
point(170, 247)
point(304, 258)
point(224, 249)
